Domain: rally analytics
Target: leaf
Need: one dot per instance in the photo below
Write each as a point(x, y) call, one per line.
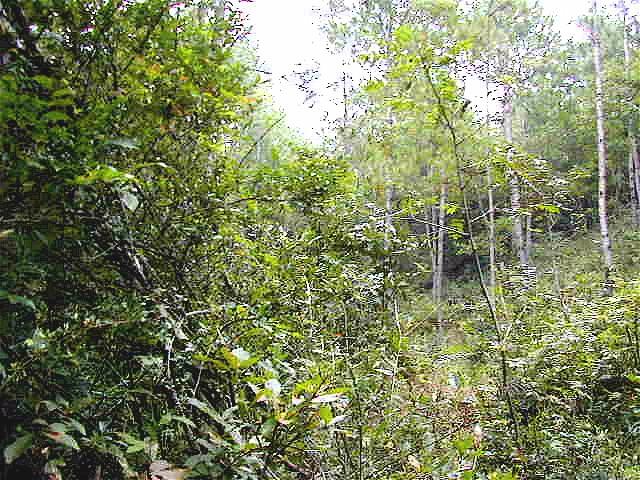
point(325, 413)
point(374, 86)
point(17, 299)
point(204, 408)
point(166, 419)
point(63, 439)
point(77, 426)
point(6, 233)
point(548, 208)
point(58, 428)
point(130, 201)
point(268, 426)
point(404, 34)
point(237, 358)
point(135, 445)
point(241, 354)
point(128, 143)
point(274, 385)
point(55, 116)
point(336, 420)
point(330, 398)
point(104, 173)
point(414, 462)
point(464, 444)
point(17, 448)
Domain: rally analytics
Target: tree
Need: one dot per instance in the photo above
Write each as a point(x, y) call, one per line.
point(607, 254)
point(634, 157)
point(513, 40)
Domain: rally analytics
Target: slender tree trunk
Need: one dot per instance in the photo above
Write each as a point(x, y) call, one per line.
point(388, 215)
point(492, 216)
point(430, 232)
point(439, 273)
point(492, 234)
point(528, 246)
point(634, 160)
point(602, 155)
point(634, 178)
point(388, 229)
point(514, 183)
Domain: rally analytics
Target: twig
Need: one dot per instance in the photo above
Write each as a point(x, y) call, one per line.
point(255, 144)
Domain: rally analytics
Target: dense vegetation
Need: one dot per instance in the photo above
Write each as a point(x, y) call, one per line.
point(449, 288)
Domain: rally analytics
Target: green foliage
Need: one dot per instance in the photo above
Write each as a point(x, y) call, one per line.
point(192, 292)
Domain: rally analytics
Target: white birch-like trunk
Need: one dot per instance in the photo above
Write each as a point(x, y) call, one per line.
point(602, 154)
point(514, 183)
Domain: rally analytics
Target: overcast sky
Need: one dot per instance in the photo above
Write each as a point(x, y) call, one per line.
point(288, 38)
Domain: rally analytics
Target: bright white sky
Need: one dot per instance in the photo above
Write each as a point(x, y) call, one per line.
point(288, 38)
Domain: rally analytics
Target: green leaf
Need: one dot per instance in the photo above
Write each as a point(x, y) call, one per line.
point(17, 299)
point(463, 445)
point(17, 448)
point(404, 34)
point(548, 208)
point(325, 413)
point(63, 439)
point(135, 445)
point(168, 418)
point(128, 143)
point(56, 116)
point(268, 426)
point(374, 86)
point(77, 426)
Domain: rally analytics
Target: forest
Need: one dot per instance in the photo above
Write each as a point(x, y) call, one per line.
point(447, 286)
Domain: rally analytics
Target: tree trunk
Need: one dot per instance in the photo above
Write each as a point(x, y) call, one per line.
point(388, 231)
point(528, 240)
point(514, 183)
point(602, 155)
point(634, 160)
point(430, 231)
point(492, 215)
point(634, 178)
point(388, 216)
point(492, 235)
point(438, 279)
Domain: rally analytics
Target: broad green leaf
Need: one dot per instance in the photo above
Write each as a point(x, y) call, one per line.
point(325, 413)
point(128, 143)
point(56, 116)
point(17, 448)
point(17, 299)
point(267, 427)
point(63, 439)
point(405, 34)
point(77, 426)
point(167, 419)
